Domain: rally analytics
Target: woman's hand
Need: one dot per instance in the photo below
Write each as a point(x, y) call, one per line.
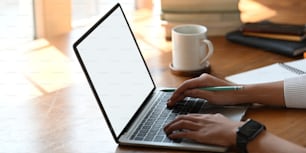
point(189, 89)
point(204, 128)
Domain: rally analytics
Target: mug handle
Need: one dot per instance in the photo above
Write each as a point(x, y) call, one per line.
point(210, 50)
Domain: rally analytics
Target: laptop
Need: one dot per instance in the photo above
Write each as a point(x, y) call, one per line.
point(133, 107)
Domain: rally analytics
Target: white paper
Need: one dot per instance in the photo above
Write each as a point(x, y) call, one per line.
point(270, 73)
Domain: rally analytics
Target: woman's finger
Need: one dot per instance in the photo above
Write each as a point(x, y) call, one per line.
point(183, 123)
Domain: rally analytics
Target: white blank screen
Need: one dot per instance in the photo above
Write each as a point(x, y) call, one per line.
point(116, 69)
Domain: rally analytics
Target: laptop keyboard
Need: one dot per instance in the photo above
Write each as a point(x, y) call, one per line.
point(151, 128)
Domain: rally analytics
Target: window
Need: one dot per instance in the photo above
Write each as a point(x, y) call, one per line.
point(17, 23)
point(86, 12)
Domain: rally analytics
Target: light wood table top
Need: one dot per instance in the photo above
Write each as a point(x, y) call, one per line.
point(58, 113)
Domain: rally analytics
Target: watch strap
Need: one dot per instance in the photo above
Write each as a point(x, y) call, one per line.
point(247, 132)
point(241, 143)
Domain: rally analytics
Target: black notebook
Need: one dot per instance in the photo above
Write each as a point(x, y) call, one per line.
point(276, 28)
point(288, 48)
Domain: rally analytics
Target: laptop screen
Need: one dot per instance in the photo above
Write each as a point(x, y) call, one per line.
point(116, 70)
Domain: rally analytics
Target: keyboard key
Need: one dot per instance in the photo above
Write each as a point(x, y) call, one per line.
point(149, 138)
point(159, 138)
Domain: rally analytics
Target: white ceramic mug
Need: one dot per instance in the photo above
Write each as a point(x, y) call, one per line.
point(190, 47)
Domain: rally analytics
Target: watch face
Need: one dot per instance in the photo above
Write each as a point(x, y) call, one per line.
point(251, 129)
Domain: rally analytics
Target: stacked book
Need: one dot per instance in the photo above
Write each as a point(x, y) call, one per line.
point(275, 31)
point(286, 39)
point(219, 16)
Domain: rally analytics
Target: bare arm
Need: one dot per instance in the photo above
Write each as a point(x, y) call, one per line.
point(266, 93)
point(267, 143)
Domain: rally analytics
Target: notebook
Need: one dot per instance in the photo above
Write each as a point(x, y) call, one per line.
point(133, 107)
point(272, 30)
point(270, 73)
point(287, 48)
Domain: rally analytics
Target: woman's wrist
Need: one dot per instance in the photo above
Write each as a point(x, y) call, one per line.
point(253, 145)
point(244, 96)
point(265, 93)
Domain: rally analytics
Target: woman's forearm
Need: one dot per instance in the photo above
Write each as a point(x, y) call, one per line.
point(268, 143)
point(265, 93)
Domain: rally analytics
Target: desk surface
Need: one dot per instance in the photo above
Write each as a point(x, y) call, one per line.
point(61, 114)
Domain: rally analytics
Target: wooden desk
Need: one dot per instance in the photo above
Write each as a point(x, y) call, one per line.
point(68, 120)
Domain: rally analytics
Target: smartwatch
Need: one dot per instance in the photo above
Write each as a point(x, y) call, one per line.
point(247, 133)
